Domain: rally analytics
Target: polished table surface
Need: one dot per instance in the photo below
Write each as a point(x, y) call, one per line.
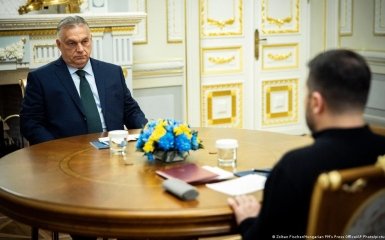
point(67, 185)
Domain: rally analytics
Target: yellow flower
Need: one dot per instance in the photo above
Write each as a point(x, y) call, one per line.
point(159, 132)
point(148, 146)
point(162, 135)
point(183, 129)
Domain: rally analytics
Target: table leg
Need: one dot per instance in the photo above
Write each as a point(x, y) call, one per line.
point(34, 233)
point(55, 236)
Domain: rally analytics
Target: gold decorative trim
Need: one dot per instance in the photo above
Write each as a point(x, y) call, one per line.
point(279, 57)
point(50, 21)
point(221, 60)
point(125, 71)
point(356, 186)
point(101, 30)
point(292, 50)
point(210, 92)
point(282, 21)
point(381, 162)
point(279, 22)
point(221, 24)
point(232, 54)
point(275, 86)
point(210, 97)
point(52, 32)
point(335, 180)
point(123, 29)
point(71, 6)
point(290, 102)
point(39, 32)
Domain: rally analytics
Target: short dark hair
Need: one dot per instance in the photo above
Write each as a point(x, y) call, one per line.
point(70, 22)
point(342, 77)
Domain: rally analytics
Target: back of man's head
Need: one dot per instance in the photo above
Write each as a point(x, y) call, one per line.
point(343, 79)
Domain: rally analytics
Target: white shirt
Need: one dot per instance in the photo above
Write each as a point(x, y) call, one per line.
point(91, 80)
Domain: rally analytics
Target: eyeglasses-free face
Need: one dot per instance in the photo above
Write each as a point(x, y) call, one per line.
point(75, 44)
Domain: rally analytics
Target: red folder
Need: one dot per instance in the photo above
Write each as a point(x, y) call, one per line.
point(188, 172)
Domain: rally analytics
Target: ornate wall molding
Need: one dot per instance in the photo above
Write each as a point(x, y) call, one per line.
point(175, 21)
point(280, 56)
point(13, 52)
point(50, 21)
point(379, 17)
point(280, 102)
point(156, 69)
point(221, 60)
point(141, 34)
point(287, 22)
point(112, 42)
point(221, 23)
point(376, 61)
point(222, 105)
point(346, 18)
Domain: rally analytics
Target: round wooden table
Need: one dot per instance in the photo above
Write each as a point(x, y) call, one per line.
point(66, 185)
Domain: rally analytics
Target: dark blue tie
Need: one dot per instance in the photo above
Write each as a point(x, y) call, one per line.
point(93, 119)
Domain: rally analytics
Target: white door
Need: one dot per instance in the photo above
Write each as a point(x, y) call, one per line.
point(245, 63)
point(281, 53)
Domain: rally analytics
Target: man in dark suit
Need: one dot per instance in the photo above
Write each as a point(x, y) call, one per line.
point(59, 104)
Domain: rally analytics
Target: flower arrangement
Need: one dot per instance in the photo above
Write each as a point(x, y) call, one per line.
point(167, 135)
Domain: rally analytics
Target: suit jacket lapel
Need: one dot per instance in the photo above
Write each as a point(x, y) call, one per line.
point(66, 80)
point(100, 78)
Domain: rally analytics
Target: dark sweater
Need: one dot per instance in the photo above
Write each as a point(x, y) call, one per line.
point(288, 189)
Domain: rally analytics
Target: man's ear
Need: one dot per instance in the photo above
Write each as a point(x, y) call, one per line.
point(317, 102)
point(58, 43)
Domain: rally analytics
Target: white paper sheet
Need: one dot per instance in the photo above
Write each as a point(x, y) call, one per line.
point(222, 174)
point(239, 186)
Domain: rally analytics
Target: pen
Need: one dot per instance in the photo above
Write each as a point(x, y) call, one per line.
point(264, 172)
point(267, 170)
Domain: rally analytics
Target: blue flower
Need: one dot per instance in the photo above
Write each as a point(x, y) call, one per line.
point(167, 135)
point(166, 142)
point(182, 143)
point(195, 144)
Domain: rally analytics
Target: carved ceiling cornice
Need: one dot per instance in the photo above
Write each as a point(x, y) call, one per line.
point(50, 21)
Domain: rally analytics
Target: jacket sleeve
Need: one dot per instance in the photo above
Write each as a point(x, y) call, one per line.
point(32, 117)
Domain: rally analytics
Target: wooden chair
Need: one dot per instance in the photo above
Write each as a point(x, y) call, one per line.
point(377, 129)
point(23, 85)
point(34, 230)
point(349, 201)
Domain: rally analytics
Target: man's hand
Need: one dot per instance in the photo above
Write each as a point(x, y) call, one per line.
point(244, 207)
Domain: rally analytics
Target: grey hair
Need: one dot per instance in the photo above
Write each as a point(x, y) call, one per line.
point(69, 22)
